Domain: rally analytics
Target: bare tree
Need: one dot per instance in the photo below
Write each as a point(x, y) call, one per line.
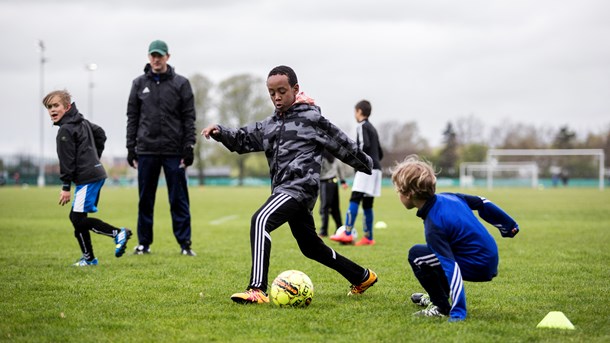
point(399, 140)
point(448, 156)
point(564, 139)
point(243, 99)
point(202, 87)
point(520, 136)
point(469, 130)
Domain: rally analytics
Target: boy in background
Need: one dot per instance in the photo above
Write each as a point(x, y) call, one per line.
point(330, 178)
point(458, 247)
point(366, 187)
point(80, 144)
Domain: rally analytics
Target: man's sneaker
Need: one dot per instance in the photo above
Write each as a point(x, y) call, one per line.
point(251, 296)
point(188, 252)
point(342, 237)
point(84, 263)
point(359, 289)
point(121, 241)
point(365, 241)
point(141, 250)
point(430, 311)
point(421, 299)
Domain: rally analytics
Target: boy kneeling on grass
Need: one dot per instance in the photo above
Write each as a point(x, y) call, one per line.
point(458, 246)
point(80, 144)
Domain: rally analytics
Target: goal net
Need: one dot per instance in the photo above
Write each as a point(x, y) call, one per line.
point(494, 155)
point(514, 174)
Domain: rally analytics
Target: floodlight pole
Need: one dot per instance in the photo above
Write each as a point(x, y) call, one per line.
point(41, 166)
point(91, 67)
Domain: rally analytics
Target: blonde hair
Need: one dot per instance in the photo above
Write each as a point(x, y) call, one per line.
point(64, 97)
point(414, 177)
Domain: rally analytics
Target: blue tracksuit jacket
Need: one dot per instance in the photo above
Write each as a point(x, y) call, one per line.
point(465, 248)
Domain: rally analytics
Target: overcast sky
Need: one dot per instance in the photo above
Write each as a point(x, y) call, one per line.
point(542, 62)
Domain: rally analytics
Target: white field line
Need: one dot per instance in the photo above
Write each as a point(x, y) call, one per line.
point(224, 219)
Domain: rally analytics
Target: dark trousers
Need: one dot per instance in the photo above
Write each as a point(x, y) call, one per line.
point(431, 276)
point(149, 168)
point(329, 204)
point(277, 210)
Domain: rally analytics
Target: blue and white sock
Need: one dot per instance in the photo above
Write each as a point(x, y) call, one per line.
point(350, 217)
point(368, 223)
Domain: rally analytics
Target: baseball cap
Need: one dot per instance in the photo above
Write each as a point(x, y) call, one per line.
point(159, 47)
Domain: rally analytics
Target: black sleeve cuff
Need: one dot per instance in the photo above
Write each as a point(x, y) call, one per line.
point(65, 187)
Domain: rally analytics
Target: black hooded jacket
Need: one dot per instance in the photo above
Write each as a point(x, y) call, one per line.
point(160, 114)
point(80, 144)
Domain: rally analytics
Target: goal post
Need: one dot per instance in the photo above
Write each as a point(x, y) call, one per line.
point(493, 154)
point(523, 170)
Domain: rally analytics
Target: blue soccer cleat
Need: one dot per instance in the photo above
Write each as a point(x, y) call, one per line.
point(84, 263)
point(121, 241)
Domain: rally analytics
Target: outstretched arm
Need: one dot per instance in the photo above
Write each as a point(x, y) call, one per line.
point(210, 131)
point(492, 214)
point(242, 140)
point(343, 148)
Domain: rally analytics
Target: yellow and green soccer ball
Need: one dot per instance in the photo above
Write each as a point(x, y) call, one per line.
point(292, 288)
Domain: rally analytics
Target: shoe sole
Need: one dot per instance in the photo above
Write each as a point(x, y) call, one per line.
point(342, 241)
point(243, 301)
point(78, 264)
point(371, 285)
point(123, 247)
point(362, 244)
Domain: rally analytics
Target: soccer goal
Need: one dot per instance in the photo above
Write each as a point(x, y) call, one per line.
point(518, 173)
point(494, 154)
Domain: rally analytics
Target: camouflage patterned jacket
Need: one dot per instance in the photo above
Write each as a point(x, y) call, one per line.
point(293, 142)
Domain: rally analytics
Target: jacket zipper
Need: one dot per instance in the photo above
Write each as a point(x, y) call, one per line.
point(277, 150)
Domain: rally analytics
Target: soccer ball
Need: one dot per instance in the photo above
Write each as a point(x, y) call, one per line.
point(292, 288)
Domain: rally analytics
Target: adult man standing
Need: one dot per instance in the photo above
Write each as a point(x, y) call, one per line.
point(161, 134)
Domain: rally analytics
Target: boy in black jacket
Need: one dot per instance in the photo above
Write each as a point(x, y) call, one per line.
point(80, 144)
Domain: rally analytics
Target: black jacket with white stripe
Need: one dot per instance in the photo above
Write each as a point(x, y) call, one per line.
point(160, 114)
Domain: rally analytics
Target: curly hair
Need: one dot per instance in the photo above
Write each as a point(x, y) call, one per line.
point(414, 177)
point(285, 70)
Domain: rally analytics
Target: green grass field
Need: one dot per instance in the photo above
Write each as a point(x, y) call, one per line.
point(559, 262)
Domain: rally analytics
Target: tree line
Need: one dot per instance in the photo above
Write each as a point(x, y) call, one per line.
point(241, 99)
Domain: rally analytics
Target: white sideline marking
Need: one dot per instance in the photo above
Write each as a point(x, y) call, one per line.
point(223, 219)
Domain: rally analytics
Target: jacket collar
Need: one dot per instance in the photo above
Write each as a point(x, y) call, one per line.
point(165, 76)
point(294, 110)
point(71, 116)
point(423, 212)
